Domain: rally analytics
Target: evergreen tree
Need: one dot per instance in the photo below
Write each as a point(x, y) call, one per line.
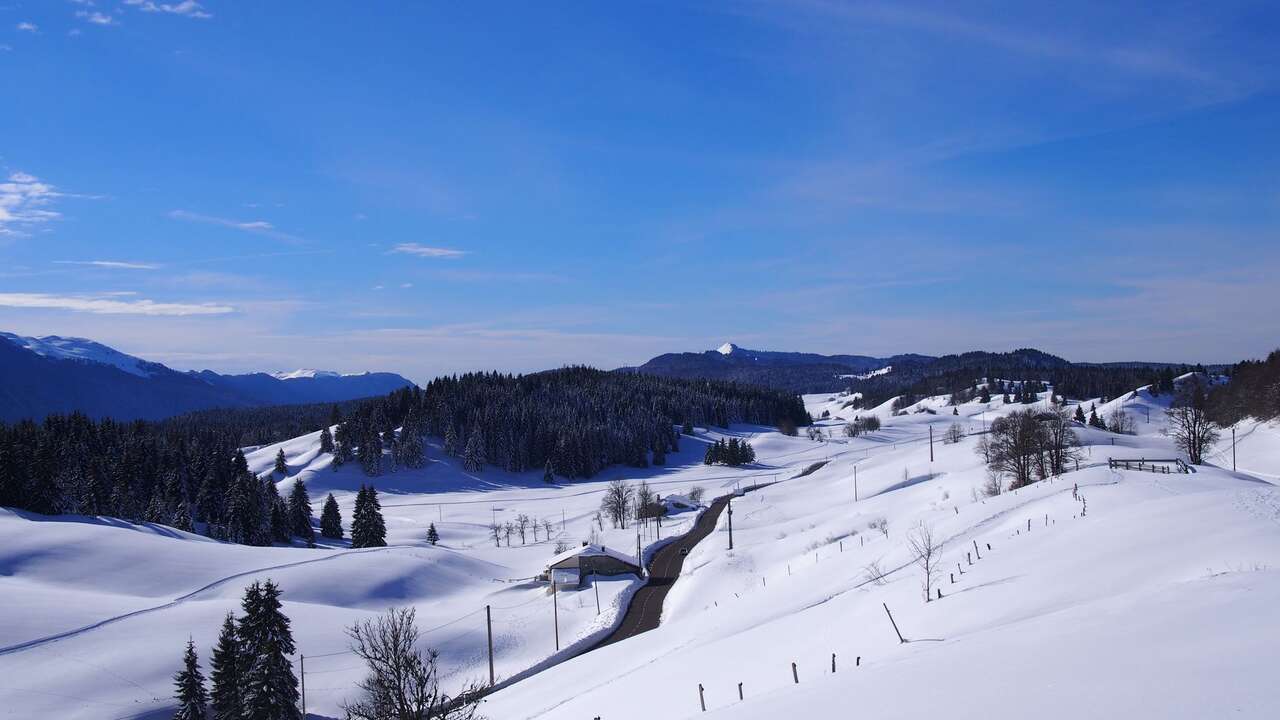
point(299, 510)
point(548, 473)
point(225, 669)
point(450, 441)
point(326, 441)
point(473, 457)
point(281, 466)
point(1079, 416)
point(190, 693)
point(280, 523)
point(331, 519)
point(367, 526)
point(269, 687)
point(433, 537)
point(1095, 421)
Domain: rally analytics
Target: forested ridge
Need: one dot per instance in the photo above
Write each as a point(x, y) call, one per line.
point(188, 472)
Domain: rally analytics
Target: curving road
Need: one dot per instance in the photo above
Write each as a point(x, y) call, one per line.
point(645, 610)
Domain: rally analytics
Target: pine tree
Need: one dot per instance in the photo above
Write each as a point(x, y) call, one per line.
point(225, 672)
point(300, 512)
point(190, 693)
point(331, 519)
point(269, 687)
point(1079, 417)
point(548, 473)
point(473, 457)
point(367, 526)
point(326, 440)
point(281, 466)
point(450, 441)
point(1095, 421)
point(278, 512)
point(433, 537)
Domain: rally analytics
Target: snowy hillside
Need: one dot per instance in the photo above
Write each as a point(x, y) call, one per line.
point(1155, 595)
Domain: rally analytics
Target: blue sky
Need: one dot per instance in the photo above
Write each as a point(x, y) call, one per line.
point(439, 187)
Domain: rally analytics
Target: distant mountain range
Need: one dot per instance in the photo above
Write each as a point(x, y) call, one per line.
point(812, 373)
point(47, 375)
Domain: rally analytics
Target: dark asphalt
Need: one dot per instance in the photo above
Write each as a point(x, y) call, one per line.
point(645, 609)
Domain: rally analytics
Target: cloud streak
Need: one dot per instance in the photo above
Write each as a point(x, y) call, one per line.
point(186, 8)
point(428, 252)
point(109, 306)
point(258, 227)
point(24, 202)
point(113, 264)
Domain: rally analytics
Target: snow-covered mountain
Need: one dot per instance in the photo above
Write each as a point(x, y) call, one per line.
point(44, 375)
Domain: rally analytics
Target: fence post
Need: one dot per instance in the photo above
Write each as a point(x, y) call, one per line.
point(795, 675)
point(488, 623)
point(302, 660)
point(702, 700)
point(975, 549)
point(739, 691)
point(833, 663)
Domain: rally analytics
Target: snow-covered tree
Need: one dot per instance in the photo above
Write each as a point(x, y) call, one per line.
point(193, 701)
point(331, 519)
point(269, 689)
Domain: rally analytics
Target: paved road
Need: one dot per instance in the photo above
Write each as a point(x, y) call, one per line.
point(645, 609)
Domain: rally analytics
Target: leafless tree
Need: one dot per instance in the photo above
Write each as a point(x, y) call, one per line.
point(1120, 422)
point(403, 681)
point(547, 527)
point(955, 433)
point(881, 524)
point(874, 573)
point(522, 526)
point(1059, 441)
point(644, 499)
point(536, 526)
point(495, 530)
point(508, 529)
point(1189, 424)
point(928, 556)
point(695, 494)
point(994, 484)
point(616, 503)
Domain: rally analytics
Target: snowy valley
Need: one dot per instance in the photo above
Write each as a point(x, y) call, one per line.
point(1103, 590)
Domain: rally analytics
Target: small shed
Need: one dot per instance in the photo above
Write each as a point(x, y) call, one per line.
point(571, 568)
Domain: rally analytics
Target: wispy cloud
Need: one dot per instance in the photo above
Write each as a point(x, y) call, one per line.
point(101, 305)
point(97, 18)
point(428, 252)
point(259, 227)
point(24, 203)
point(114, 264)
point(30, 27)
point(187, 8)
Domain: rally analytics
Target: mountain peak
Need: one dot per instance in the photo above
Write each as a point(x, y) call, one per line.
point(727, 348)
point(304, 373)
point(81, 350)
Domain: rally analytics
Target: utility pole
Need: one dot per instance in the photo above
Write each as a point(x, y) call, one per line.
point(1233, 448)
point(855, 483)
point(597, 589)
point(730, 503)
point(302, 660)
point(555, 609)
point(930, 443)
point(639, 557)
point(488, 623)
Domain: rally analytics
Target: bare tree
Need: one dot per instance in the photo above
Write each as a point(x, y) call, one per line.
point(1120, 422)
point(403, 681)
point(496, 531)
point(954, 434)
point(928, 557)
point(881, 524)
point(616, 503)
point(508, 529)
point(994, 484)
point(1059, 441)
point(536, 526)
point(644, 499)
point(874, 573)
point(547, 527)
point(1189, 424)
point(695, 494)
point(522, 526)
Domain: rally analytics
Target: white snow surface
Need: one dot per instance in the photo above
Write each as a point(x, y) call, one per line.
point(79, 349)
point(304, 373)
point(727, 348)
point(1163, 601)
